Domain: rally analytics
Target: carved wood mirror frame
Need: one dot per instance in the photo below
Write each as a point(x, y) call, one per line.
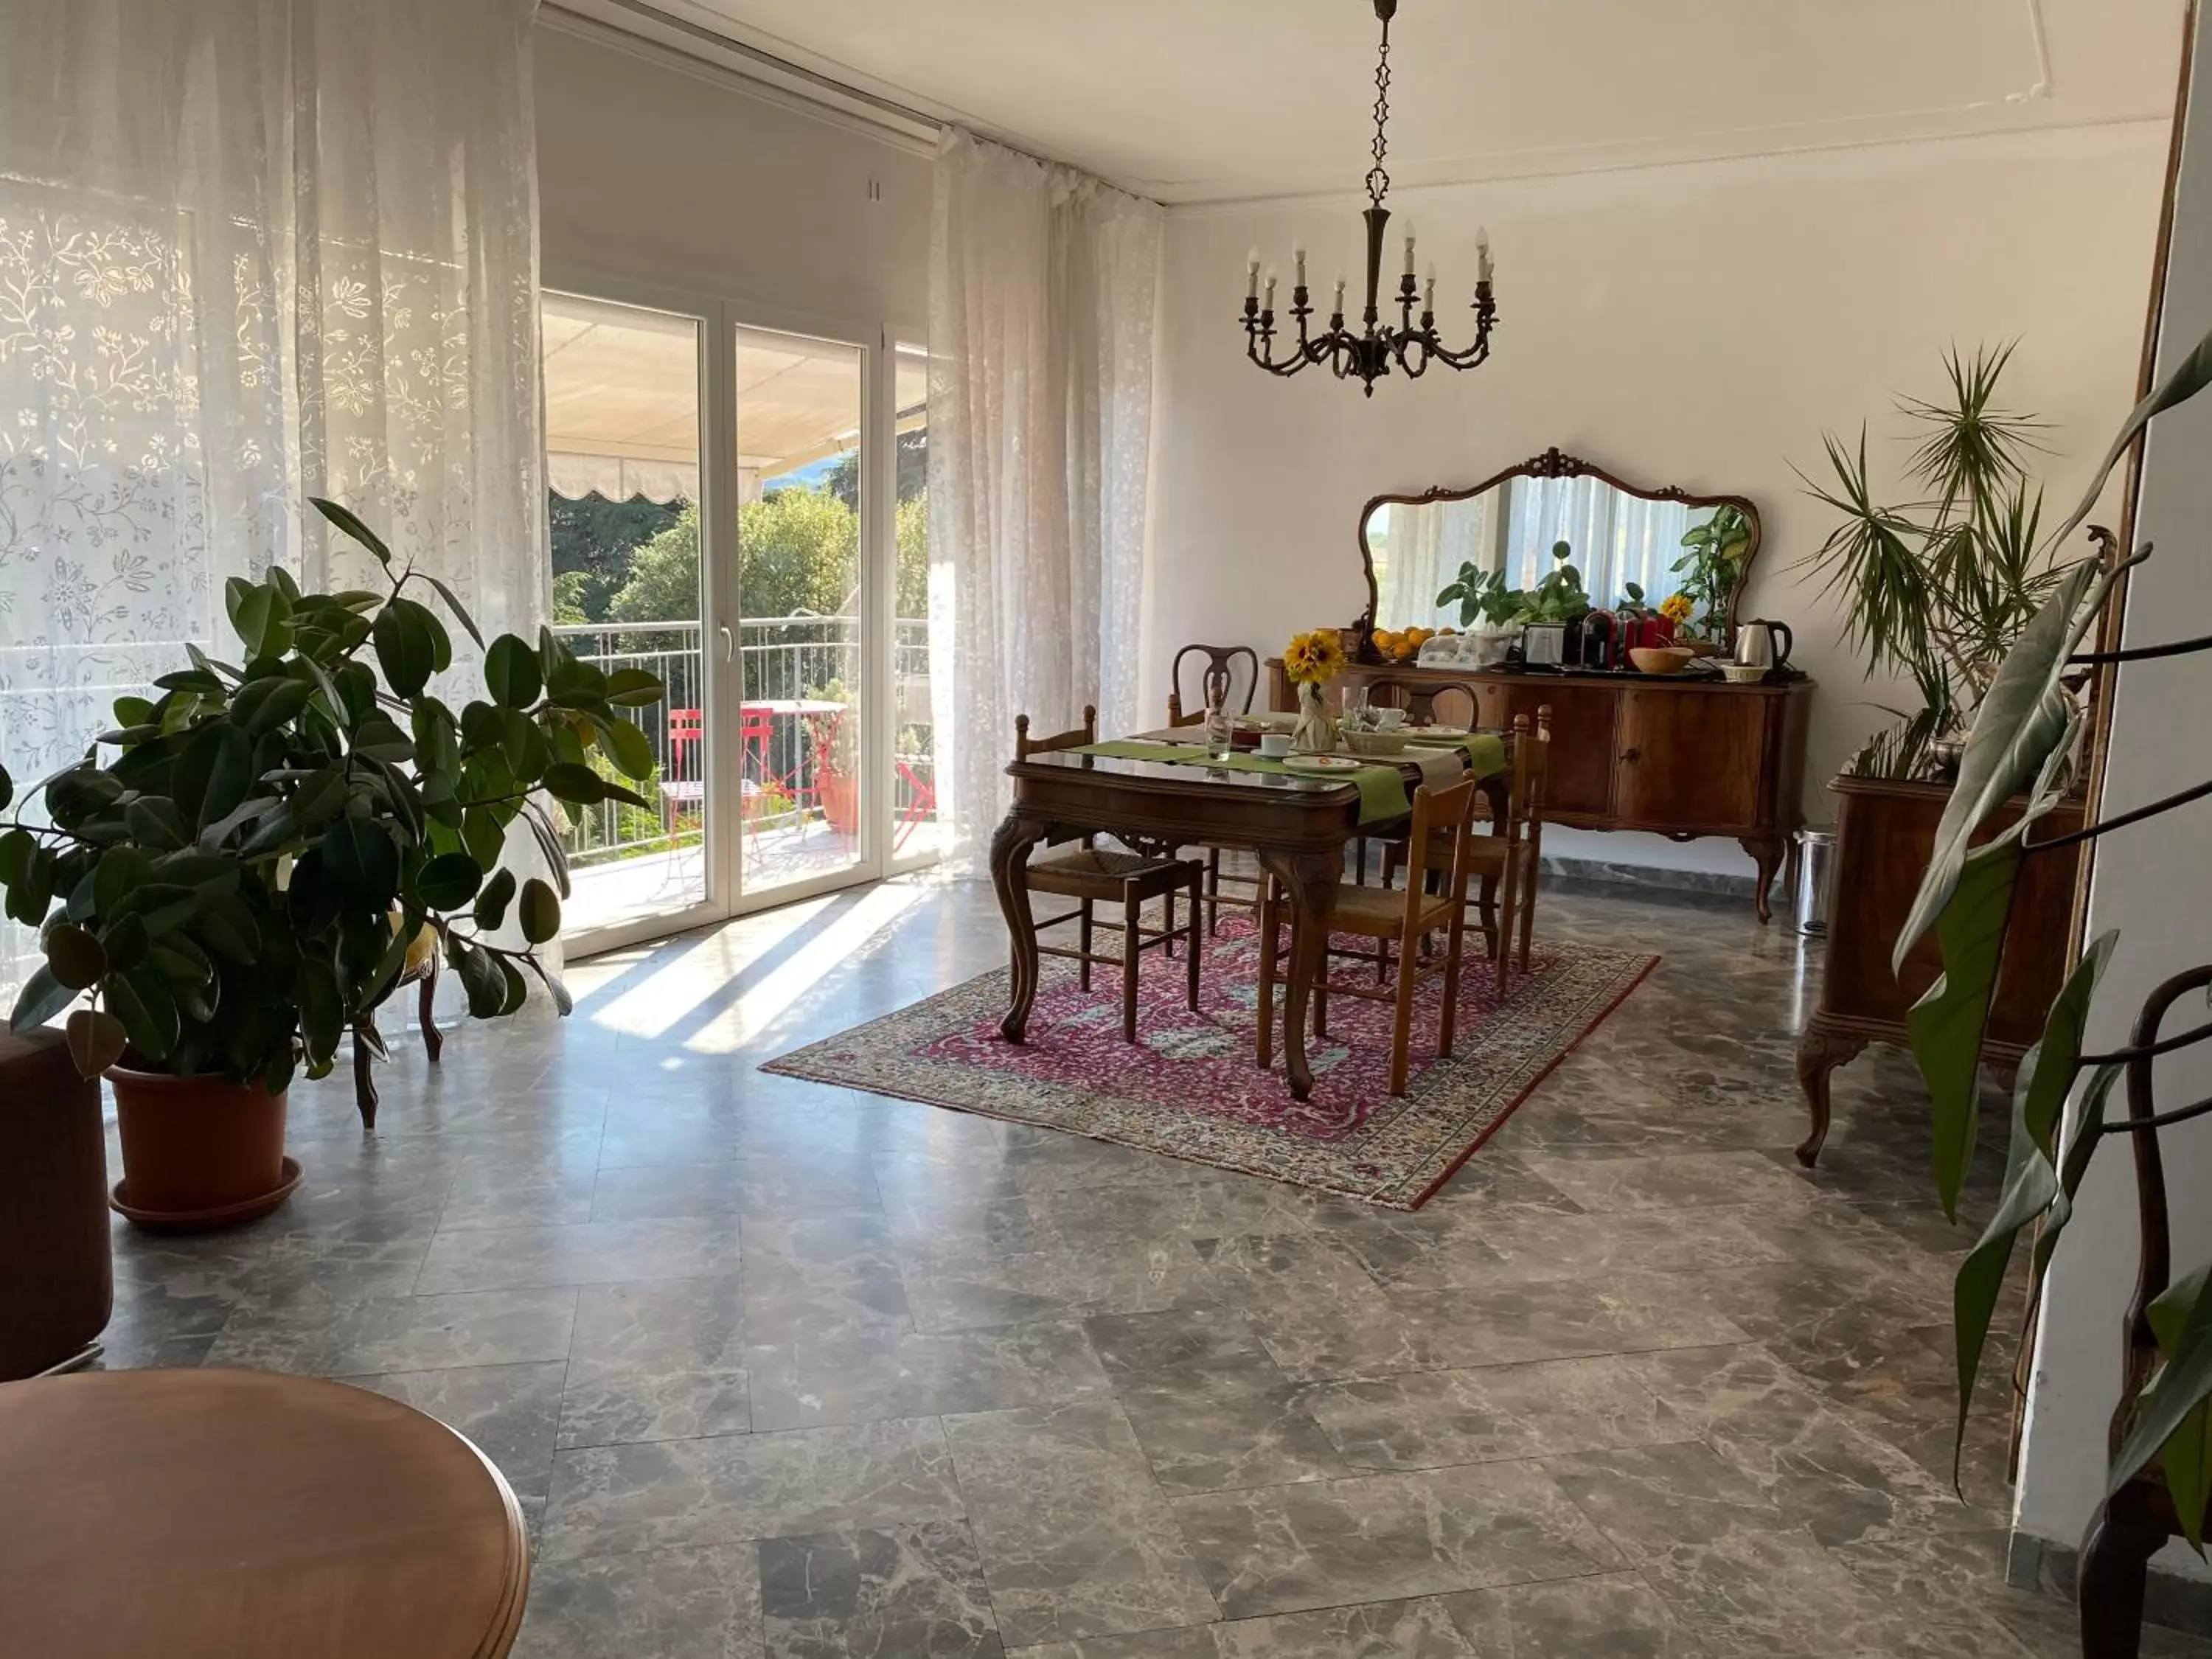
point(1552, 464)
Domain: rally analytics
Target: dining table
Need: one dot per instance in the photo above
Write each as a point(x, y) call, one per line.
point(1158, 791)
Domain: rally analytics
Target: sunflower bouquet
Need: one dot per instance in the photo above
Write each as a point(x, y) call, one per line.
point(1310, 660)
point(1314, 658)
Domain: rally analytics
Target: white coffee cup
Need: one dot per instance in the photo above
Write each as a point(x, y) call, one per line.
point(1274, 745)
point(1390, 719)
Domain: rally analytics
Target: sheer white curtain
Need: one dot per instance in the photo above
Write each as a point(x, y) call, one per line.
point(1427, 544)
point(252, 251)
point(1043, 283)
point(1617, 538)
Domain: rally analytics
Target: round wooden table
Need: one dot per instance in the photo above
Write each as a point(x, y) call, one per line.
point(235, 1515)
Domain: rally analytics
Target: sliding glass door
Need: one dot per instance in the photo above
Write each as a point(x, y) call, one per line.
point(742, 510)
point(804, 507)
point(624, 492)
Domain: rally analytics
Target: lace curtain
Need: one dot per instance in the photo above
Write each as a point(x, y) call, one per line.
point(1420, 549)
point(1042, 284)
point(252, 251)
point(1617, 538)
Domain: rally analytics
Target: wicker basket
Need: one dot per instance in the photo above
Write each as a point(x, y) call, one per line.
point(1376, 743)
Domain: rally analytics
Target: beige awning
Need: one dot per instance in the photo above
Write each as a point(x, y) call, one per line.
point(622, 402)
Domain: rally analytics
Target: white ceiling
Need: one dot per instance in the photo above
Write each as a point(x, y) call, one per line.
point(1197, 100)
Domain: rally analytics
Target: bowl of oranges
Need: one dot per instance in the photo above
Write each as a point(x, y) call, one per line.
point(1403, 644)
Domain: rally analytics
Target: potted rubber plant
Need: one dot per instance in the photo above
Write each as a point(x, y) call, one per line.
point(835, 750)
point(233, 878)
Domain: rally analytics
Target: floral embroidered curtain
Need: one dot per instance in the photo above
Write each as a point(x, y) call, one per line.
point(252, 251)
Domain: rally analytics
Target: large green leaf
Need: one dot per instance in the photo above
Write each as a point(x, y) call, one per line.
point(344, 519)
point(449, 881)
point(2186, 1457)
point(2189, 377)
point(510, 671)
point(631, 749)
point(406, 650)
point(2170, 1414)
point(2024, 720)
point(2031, 1184)
point(42, 997)
point(540, 911)
point(2081, 1144)
point(1946, 1025)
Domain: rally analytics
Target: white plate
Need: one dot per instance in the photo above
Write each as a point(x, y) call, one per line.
point(1446, 733)
point(1322, 763)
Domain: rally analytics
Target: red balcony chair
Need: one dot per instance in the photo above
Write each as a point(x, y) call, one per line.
point(683, 782)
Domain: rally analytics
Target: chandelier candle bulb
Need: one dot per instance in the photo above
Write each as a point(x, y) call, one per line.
point(1268, 304)
point(1481, 254)
point(1251, 274)
point(1409, 247)
point(1338, 311)
point(1298, 253)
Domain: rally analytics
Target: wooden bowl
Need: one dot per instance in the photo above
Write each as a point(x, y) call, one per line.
point(1661, 659)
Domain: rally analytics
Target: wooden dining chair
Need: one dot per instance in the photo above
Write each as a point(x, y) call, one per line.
point(1509, 861)
point(1092, 876)
point(1412, 920)
point(1418, 700)
point(1221, 662)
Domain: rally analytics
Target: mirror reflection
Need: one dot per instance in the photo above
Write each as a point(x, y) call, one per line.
point(1625, 550)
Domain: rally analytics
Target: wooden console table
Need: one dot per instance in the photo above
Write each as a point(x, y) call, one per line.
point(1684, 758)
point(1885, 834)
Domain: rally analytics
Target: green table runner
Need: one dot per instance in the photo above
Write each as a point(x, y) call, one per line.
point(1382, 787)
point(1485, 750)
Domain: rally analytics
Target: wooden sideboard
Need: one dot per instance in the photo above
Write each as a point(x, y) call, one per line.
point(1885, 835)
point(1682, 759)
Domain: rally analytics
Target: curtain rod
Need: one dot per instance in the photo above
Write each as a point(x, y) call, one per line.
point(766, 69)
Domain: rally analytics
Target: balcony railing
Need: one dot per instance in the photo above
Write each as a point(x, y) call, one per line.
point(785, 664)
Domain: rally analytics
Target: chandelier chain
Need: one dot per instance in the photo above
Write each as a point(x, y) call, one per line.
point(1378, 180)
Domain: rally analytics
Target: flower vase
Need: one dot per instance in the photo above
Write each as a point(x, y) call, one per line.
point(1316, 732)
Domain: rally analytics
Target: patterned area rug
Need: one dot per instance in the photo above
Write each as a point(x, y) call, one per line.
point(1189, 1087)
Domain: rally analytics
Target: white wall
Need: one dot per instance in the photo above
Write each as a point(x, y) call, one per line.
point(2153, 883)
point(656, 174)
point(1698, 325)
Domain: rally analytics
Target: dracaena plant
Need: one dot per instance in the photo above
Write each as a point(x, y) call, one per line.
point(2024, 739)
point(1935, 590)
point(230, 881)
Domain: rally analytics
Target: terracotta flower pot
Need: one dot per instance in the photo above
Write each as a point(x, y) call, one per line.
point(198, 1152)
point(840, 800)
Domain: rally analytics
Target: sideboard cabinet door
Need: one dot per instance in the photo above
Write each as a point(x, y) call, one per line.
point(1691, 760)
point(1580, 786)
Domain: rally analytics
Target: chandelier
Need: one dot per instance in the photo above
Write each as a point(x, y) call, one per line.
point(1369, 353)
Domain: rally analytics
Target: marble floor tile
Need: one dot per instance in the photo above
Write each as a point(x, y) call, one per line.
point(401, 1334)
point(596, 1253)
point(960, 1284)
point(913, 1590)
point(1384, 1333)
point(1203, 1440)
point(1607, 1616)
point(1198, 1347)
point(1669, 1181)
point(1822, 1470)
point(1076, 1539)
point(1428, 1420)
point(658, 1360)
point(1278, 1549)
point(510, 1411)
point(870, 1372)
point(610, 1499)
point(702, 1602)
point(816, 1276)
point(1419, 1629)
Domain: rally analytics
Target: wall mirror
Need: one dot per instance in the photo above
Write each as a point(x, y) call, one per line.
point(1665, 540)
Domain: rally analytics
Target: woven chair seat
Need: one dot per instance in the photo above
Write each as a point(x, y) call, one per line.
point(1096, 872)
